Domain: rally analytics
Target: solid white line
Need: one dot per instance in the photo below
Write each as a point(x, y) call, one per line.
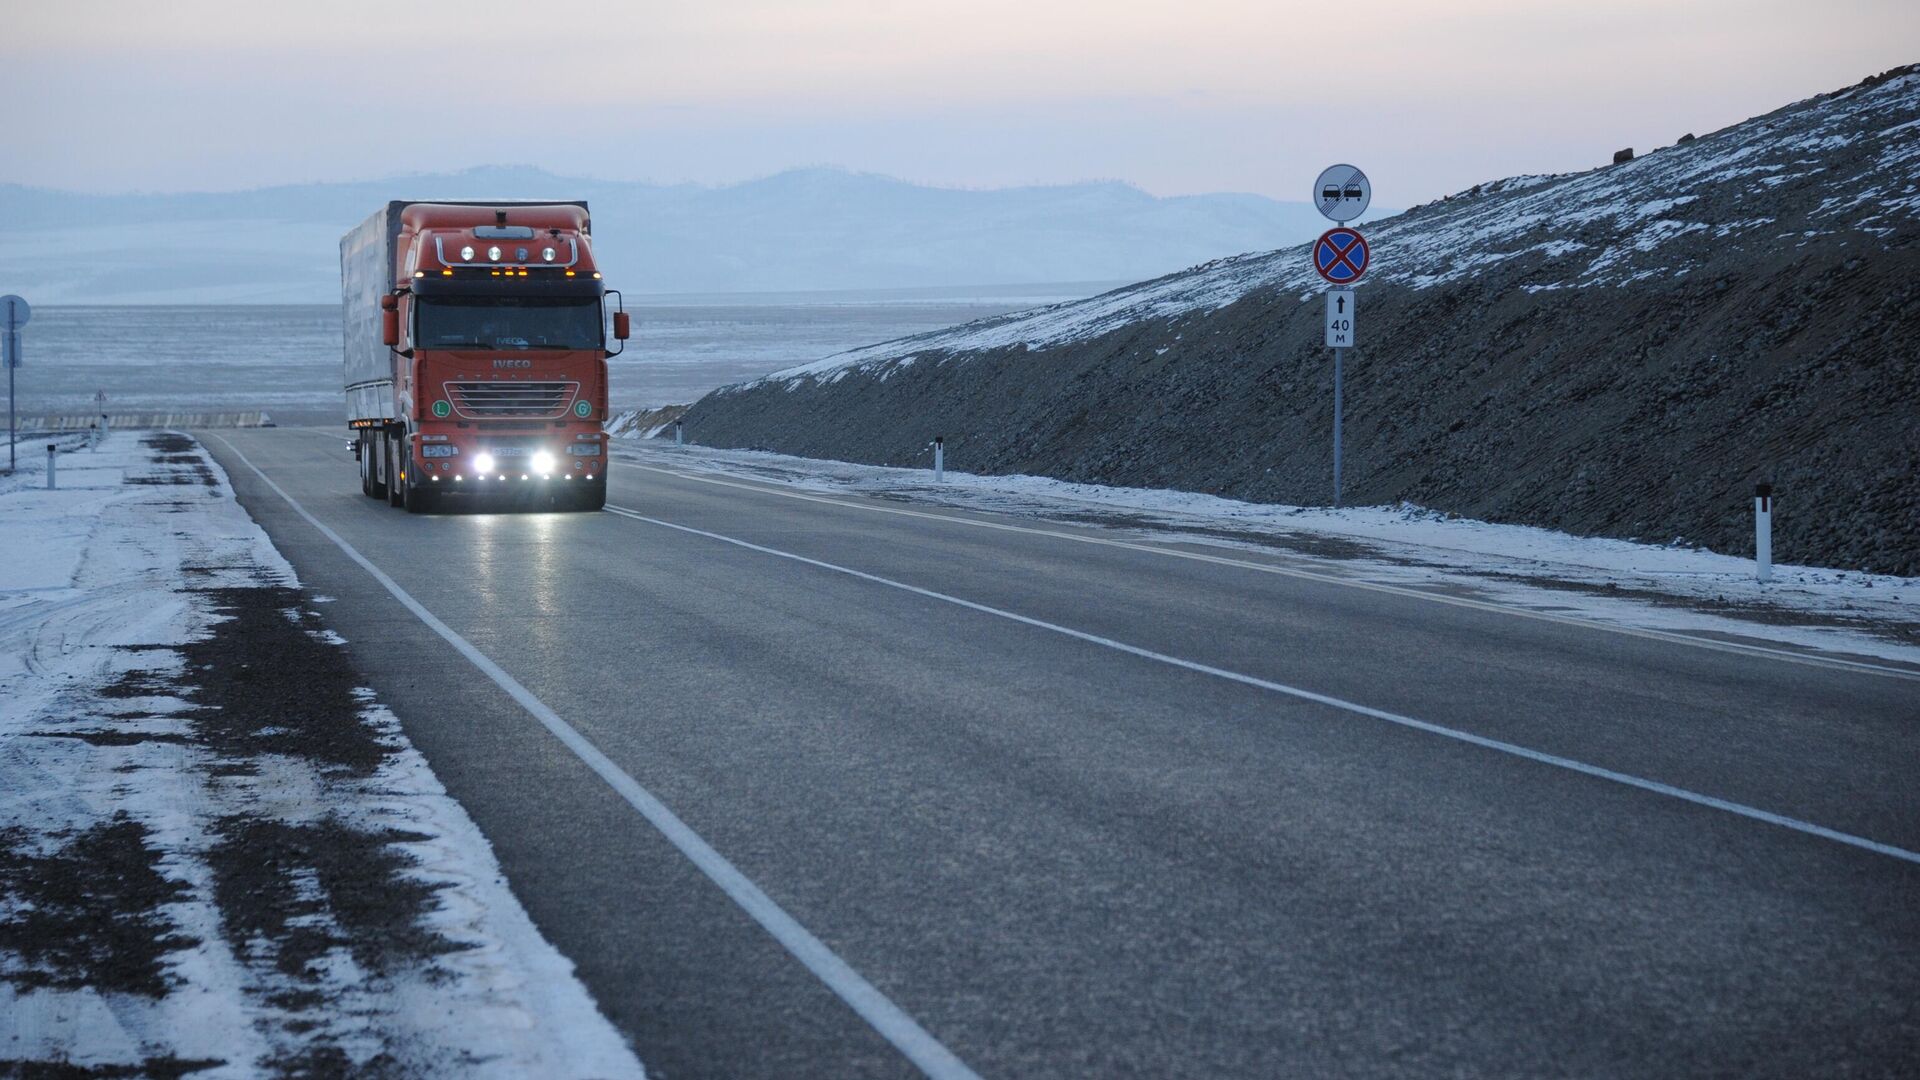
point(892, 1022)
point(1307, 575)
point(1514, 749)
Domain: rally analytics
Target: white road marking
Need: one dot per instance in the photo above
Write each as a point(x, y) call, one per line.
point(1786, 655)
point(903, 1031)
point(1514, 749)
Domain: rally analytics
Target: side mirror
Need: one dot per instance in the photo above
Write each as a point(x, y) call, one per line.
point(390, 327)
point(622, 326)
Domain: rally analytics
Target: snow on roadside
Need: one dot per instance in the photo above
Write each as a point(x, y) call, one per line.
point(216, 852)
point(1671, 587)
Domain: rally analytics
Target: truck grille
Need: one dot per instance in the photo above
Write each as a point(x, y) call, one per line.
point(524, 400)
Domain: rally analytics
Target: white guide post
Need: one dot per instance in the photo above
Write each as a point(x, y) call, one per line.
point(1763, 532)
point(51, 451)
point(939, 459)
point(679, 434)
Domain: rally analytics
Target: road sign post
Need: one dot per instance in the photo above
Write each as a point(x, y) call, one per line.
point(1340, 256)
point(14, 312)
point(1341, 315)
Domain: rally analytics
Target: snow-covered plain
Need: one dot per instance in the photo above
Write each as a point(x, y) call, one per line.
point(1650, 586)
point(106, 579)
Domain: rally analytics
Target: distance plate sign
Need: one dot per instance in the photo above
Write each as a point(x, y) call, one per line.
point(1340, 318)
point(1340, 255)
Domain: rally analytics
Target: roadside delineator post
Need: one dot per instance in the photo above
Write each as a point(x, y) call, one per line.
point(679, 434)
point(50, 456)
point(939, 459)
point(1763, 532)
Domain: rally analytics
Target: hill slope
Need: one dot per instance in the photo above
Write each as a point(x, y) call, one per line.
point(1621, 352)
point(808, 229)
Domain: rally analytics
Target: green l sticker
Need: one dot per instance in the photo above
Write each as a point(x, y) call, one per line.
point(441, 408)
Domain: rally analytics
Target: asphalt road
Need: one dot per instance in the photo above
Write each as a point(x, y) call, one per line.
point(1077, 809)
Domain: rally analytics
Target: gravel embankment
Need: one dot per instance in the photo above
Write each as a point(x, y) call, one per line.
point(1619, 353)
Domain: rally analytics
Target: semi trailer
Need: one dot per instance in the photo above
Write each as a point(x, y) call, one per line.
point(475, 341)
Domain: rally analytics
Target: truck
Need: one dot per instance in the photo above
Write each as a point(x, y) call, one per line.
point(475, 355)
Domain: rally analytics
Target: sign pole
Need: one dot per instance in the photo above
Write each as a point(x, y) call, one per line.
point(1337, 353)
point(1342, 193)
point(17, 314)
point(13, 361)
point(13, 346)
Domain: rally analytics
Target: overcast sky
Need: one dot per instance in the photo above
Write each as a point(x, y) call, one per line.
point(1178, 96)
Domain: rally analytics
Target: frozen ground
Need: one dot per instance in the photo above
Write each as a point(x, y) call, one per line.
point(218, 853)
point(1646, 586)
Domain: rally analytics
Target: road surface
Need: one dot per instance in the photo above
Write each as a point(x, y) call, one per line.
point(812, 787)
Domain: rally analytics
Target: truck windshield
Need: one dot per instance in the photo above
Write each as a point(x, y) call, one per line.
point(501, 322)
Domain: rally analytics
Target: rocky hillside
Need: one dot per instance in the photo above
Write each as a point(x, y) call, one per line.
point(1620, 352)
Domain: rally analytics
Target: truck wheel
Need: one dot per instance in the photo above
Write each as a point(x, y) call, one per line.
point(422, 499)
point(396, 487)
point(369, 475)
point(590, 498)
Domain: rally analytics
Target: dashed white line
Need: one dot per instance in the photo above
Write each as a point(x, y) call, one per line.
point(1514, 749)
point(1785, 655)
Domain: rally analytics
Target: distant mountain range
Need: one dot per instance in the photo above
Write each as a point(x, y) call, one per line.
point(801, 230)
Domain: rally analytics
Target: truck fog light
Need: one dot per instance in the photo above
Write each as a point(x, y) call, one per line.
point(483, 463)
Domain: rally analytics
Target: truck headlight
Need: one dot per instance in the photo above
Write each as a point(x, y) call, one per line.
point(543, 462)
point(483, 463)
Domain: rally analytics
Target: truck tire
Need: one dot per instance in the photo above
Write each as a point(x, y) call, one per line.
point(592, 497)
point(396, 487)
point(369, 473)
point(421, 499)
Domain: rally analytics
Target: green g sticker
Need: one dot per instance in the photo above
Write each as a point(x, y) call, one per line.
point(582, 408)
point(441, 409)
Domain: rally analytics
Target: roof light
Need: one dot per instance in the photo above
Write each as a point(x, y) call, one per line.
point(446, 273)
point(547, 254)
point(466, 253)
point(596, 275)
point(493, 254)
point(569, 273)
point(419, 273)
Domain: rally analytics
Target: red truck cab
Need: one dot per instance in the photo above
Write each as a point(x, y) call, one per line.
point(489, 379)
